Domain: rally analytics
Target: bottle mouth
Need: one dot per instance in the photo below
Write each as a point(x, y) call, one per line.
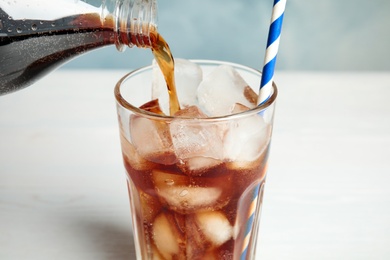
point(135, 22)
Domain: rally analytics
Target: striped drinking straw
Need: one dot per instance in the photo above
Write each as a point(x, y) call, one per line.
point(264, 93)
point(272, 50)
point(249, 223)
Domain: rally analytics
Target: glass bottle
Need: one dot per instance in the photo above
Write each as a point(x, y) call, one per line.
point(37, 36)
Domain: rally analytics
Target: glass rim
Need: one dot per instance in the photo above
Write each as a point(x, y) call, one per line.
point(138, 111)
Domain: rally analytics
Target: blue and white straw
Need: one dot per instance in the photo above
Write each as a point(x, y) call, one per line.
point(272, 50)
point(264, 93)
point(249, 223)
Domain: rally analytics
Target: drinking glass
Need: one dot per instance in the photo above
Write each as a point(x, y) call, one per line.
point(195, 184)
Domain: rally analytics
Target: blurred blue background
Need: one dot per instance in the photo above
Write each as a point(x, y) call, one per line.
point(317, 35)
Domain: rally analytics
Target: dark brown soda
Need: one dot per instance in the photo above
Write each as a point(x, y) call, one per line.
point(163, 189)
point(165, 60)
point(29, 49)
point(236, 184)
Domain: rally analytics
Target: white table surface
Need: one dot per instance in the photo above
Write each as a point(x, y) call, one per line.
point(62, 184)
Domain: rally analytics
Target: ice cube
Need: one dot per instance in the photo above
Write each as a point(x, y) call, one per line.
point(191, 112)
point(215, 226)
point(193, 138)
point(238, 108)
point(165, 236)
point(146, 206)
point(150, 206)
point(188, 75)
point(180, 195)
point(153, 106)
point(196, 244)
point(221, 89)
point(156, 254)
point(246, 138)
point(131, 156)
point(251, 96)
point(196, 166)
point(151, 138)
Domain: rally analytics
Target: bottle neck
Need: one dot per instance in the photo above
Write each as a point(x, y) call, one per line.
point(134, 23)
point(131, 21)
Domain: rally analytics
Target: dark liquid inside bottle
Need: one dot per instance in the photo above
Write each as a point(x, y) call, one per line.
point(29, 49)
